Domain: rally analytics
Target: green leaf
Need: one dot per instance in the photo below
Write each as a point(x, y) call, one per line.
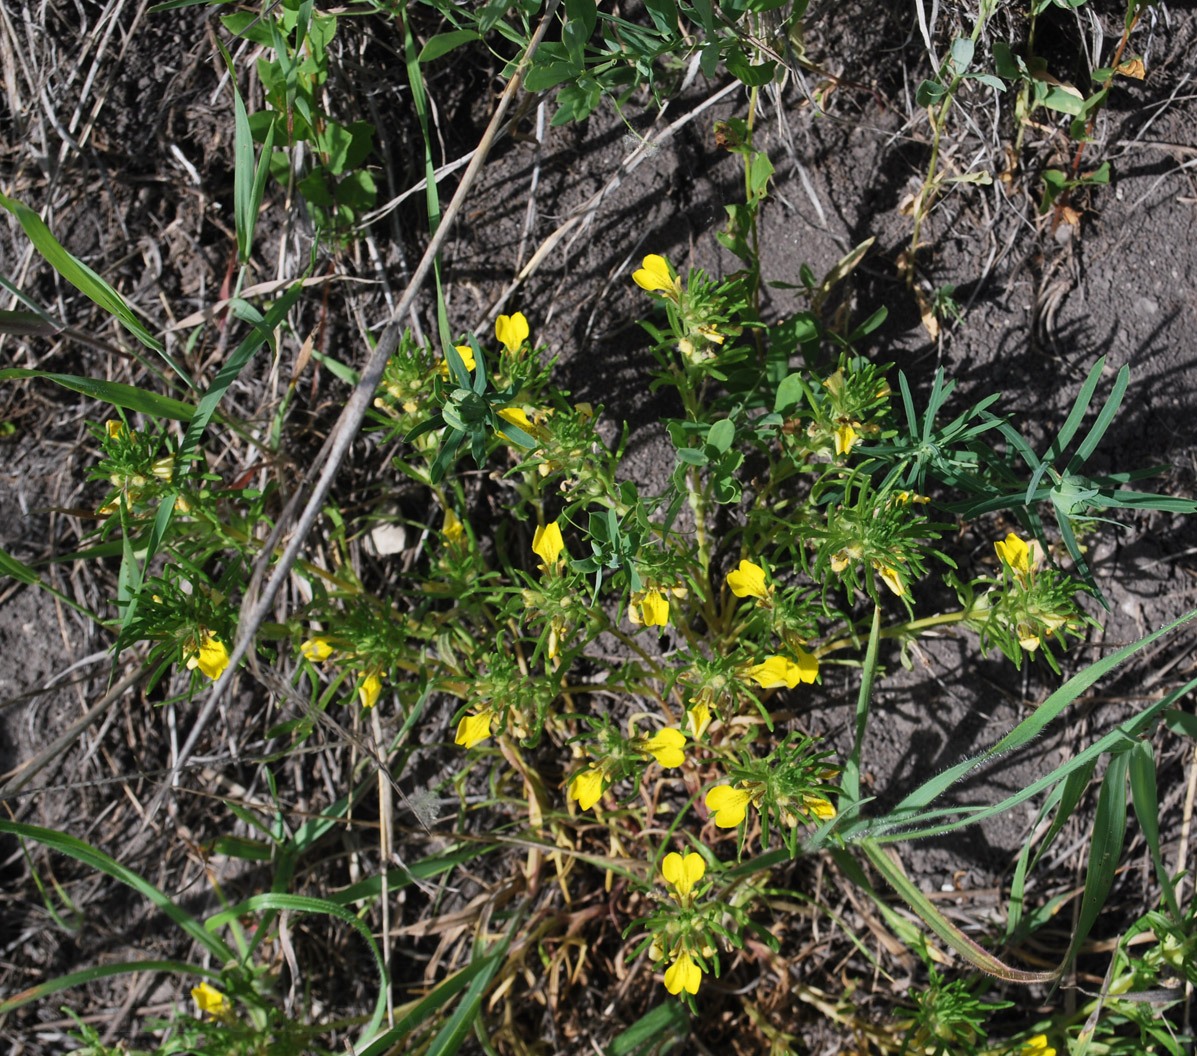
point(1105, 851)
point(1063, 102)
point(549, 75)
point(22, 573)
point(443, 43)
point(275, 901)
point(747, 74)
point(962, 53)
point(81, 276)
point(263, 332)
point(99, 971)
point(1145, 799)
point(667, 1022)
point(96, 859)
point(721, 435)
point(929, 93)
point(989, 80)
point(112, 392)
point(1008, 65)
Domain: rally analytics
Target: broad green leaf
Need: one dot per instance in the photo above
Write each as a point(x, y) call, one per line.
point(1145, 799)
point(962, 53)
point(904, 814)
point(443, 43)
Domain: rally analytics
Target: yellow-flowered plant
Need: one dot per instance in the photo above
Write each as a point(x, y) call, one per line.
point(210, 1001)
point(512, 331)
point(209, 654)
point(788, 787)
point(649, 607)
point(1037, 1045)
point(748, 581)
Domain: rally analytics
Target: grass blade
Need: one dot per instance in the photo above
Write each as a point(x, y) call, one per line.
point(96, 859)
point(99, 971)
point(115, 393)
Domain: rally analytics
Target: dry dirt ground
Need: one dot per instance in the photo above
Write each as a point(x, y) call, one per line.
point(117, 126)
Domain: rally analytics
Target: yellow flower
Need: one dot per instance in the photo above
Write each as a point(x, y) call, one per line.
point(683, 974)
point(1016, 554)
point(649, 607)
point(818, 806)
point(547, 544)
point(211, 657)
point(683, 872)
point(467, 357)
point(512, 331)
point(517, 416)
point(889, 576)
point(115, 428)
point(711, 334)
point(453, 529)
point(748, 581)
point(317, 649)
point(654, 276)
point(699, 718)
point(210, 1001)
point(1038, 1046)
point(845, 437)
point(473, 729)
point(587, 787)
point(728, 804)
point(666, 747)
point(776, 671)
point(370, 689)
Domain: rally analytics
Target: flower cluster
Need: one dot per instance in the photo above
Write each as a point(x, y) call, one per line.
point(319, 648)
point(1030, 607)
point(789, 786)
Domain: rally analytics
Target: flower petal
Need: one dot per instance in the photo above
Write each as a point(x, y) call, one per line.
point(370, 689)
point(587, 787)
point(474, 729)
point(547, 544)
point(889, 576)
point(1015, 554)
point(666, 747)
point(317, 649)
point(683, 974)
point(699, 718)
point(845, 437)
point(650, 607)
point(748, 581)
point(654, 276)
point(820, 807)
point(209, 1000)
point(211, 658)
point(683, 871)
point(728, 804)
point(776, 671)
point(453, 528)
point(512, 331)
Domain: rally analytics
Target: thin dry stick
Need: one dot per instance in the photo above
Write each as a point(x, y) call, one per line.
point(328, 461)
